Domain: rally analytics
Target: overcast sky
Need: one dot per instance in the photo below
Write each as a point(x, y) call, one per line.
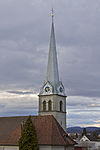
point(24, 44)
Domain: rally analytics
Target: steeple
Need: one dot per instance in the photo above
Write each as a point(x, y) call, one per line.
point(52, 84)
point(52, 98)
point(52, 68)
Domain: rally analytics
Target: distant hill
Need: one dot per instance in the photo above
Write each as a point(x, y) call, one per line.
point(80, 130)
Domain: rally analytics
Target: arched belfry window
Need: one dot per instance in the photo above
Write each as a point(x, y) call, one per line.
point(44, 105)
point(49, 105)
point(61, 106)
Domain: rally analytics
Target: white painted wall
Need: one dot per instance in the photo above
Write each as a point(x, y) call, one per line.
point(40, 148)
point(84, 138)
point(56, 148)
point(60, 116)
point(70, 148)
point(51, 148)
point(9, 148)
point(97, 145)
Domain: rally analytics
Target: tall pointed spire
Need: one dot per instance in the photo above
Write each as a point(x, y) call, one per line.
point(52, 68)
point(52, 84)
point(52, 98)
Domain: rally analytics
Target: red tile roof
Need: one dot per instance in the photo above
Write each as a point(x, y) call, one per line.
point(13, 138)
point(49, 132)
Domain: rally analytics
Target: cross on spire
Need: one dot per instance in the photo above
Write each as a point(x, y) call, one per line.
point(52, 14)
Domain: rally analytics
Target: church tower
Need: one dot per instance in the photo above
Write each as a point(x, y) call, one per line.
point(52, 98)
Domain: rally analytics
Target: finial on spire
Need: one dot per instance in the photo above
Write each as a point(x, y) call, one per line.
point(52, 14)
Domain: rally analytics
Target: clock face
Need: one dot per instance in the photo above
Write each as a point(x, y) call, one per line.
point(47, 89)
point(60, 89)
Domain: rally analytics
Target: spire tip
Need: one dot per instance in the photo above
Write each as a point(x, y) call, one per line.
point(52, 13)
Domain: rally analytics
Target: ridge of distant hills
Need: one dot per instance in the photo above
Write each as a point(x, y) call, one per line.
point(80, 129)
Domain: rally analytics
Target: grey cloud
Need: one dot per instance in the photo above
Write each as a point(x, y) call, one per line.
point(79, 60)
point(20, 112)
point(12, 103)
point(80, 110)
point(20, 92)
point(83, 101)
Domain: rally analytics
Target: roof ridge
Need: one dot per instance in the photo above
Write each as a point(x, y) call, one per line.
point(52, 129)
point(64, 134)
point(16, 116)
point(57, 124)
